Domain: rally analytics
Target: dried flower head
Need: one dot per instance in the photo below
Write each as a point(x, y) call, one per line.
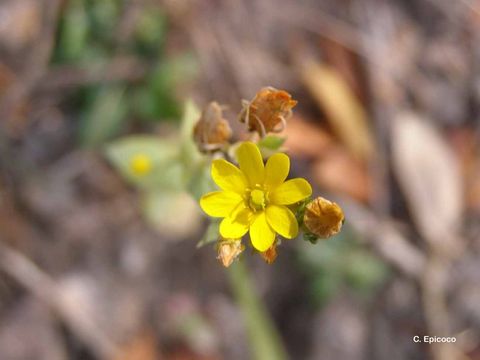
point(268, 111)
point(212, 131)
point(270, 255)
point(140, 164)
point(323, 218)
point(229, 250)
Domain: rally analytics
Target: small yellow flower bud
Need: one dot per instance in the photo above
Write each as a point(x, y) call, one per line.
point(268, 111)
point(270, 255)
point(140, 164)
point(212, 131)
point(323, 218)
point(229, 250)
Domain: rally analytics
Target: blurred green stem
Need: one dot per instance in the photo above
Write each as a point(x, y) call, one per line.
point(265, 342)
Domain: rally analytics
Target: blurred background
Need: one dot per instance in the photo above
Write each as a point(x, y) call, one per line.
point(387, 125)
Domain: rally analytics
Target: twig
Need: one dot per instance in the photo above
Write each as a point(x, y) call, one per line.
point(386, 240)
point(119, 69)
point(41, 285)
point(471, 6)
point(433, 285)
point(39, 58)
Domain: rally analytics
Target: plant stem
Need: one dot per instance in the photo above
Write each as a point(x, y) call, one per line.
point(265, 342)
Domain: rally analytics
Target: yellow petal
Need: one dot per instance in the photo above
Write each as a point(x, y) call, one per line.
point(251, 162)
point(220, 203)
point(228, 177)
point(261, 234)
point(290, 192)
point(236, 227)
point(282, 220)
point(276, 170)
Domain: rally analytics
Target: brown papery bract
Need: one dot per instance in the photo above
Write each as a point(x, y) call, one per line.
point(268, 111)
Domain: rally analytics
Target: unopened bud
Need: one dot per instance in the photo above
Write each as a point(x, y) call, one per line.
point(323, 218)
point(212, 131)
point(270, 255)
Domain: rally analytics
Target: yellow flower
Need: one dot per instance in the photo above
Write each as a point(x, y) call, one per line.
point(140, 164)
point(254, 197)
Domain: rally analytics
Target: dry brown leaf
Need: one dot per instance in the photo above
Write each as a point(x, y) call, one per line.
point(339, 172)
point(346, 63)
point(429, 176)
point(464, 143)
point(344, 111)
point(142, 347)
point(305, 139)
point(21, 22)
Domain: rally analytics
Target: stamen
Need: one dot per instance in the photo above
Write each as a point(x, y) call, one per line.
point(257, 199)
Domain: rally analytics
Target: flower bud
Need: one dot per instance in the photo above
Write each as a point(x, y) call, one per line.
point(268, 111)
point(323, 218)
point(228, 250)
point(212, 131)
point(270, 255)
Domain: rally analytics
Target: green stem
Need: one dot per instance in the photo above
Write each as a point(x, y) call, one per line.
point(264, 339)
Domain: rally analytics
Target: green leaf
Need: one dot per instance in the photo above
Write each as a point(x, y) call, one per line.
point(211, 234)
point(151, 27)
point(172, 213)
point(365, 272)
point(271, 142)
point(74, 31)
point(189, 151)
point(104, 116)
point(104, 17)
point(341, 262)
point(166, 170)
point(201, 181)
point(156, 100)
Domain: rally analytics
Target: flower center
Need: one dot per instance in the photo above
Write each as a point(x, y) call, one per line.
point(257, 199)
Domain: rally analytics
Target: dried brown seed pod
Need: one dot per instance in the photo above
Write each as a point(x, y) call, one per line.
point(323, 218)
point(228, 250)
point(212, 131)
point(268, 111)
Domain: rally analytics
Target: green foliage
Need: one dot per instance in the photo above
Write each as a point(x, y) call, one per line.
point(341, 262)
point(151, 30)
point(211, 235)
point(155, 99)
point(171, 212)
point(265, 341)
point(104, 15)
point(270, 144)
point(74, 31)
point(104, 115)
point(166, 172)
point(175, 168)
point(89, 36)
